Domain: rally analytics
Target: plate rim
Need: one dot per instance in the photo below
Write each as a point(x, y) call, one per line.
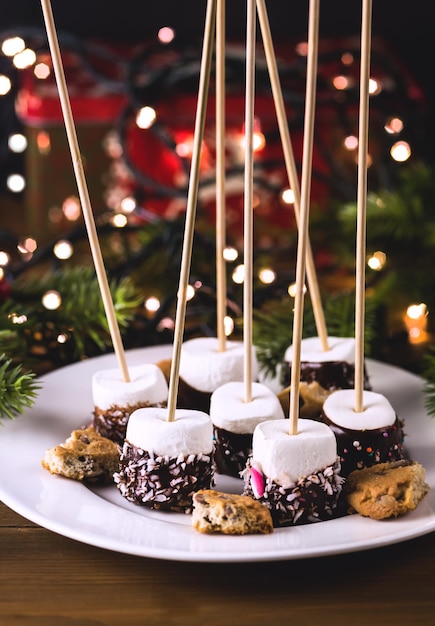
point(415, 524)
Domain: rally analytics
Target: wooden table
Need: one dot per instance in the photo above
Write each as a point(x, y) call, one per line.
point(49, 580)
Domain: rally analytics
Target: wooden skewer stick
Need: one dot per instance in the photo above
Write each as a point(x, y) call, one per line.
point(310, 102)
point(82, 188)
point(362, 202)
point(248, 197)
point(292, 174)
point(192, 199)
point(221, 287)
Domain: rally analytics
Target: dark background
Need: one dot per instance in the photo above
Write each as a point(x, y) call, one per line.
point(406, 26)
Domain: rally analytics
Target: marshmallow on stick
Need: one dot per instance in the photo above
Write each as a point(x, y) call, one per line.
point(374, 435)
point(234, 421)
point(163, 463)
point(192, 199)
point(365, 423)
point(167, 453)
point(204, 367)
point(236, 407)
point(332, 369)
point(114, 399)
point(296, 476)
point(307, 158)
point(295, 472)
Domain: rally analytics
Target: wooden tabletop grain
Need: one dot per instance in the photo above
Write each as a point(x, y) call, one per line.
point(49, 580)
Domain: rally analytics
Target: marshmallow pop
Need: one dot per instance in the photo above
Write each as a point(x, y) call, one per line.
point(115, 399)
point(163, 463)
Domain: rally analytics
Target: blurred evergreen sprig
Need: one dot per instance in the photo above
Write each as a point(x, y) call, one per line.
point(273, 326)
point(18, 390)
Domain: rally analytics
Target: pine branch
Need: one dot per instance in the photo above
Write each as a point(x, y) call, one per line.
point(18, 390)
point(81, 318)
point(272, 326)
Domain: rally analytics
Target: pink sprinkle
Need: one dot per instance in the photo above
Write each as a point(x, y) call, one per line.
point(257, 482)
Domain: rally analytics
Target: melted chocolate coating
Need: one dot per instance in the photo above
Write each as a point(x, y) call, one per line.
point(314, 498)
point(330, 375)
point(232, 451)
point(364, 448)
point(112, 423)
point(163, 483)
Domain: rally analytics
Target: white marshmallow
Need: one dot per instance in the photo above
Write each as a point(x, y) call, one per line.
point(190, 433)
point(147, 385)
point(286, 458)
point(229, 410)
point(339, 407)
point(205, 368)
point(340, 349)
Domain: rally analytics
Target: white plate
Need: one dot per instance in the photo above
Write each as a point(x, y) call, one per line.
point(101, 517)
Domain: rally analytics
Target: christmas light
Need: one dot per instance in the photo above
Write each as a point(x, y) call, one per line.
point(401, 151)
point(146, 117)
point(15, 183)
point(267, 276)
point(5, 85)
point(416, 322)
point(347, 58)
point(230, 254)
point(228, 325)
point(288, 196)
point(394, 126)
point(258, 141)
point(27, 246)
point(375, 87)
point(17, 142)
point(43, 142)
point(12, 46)
point(166, 324)
point(17, 319)
point(166, 34)
point(42, 71)
point(51, 300)
point(4, 258)
point(119, 220)
point(302, 48)
point(377, 261)
point(152, 304)
point(63, 249)
point(71, 208)
point(190, 292)
point(351, 142)
point(238, 275)
point(342, 82)
point(185, 147)
point(24, 59)
point(128, 204)
point(292, 290)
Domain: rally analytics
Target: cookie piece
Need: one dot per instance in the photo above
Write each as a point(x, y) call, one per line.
point(312, 396)
point(187, 396)
point(85, 455)
point(386, 489)
point(229, 514)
